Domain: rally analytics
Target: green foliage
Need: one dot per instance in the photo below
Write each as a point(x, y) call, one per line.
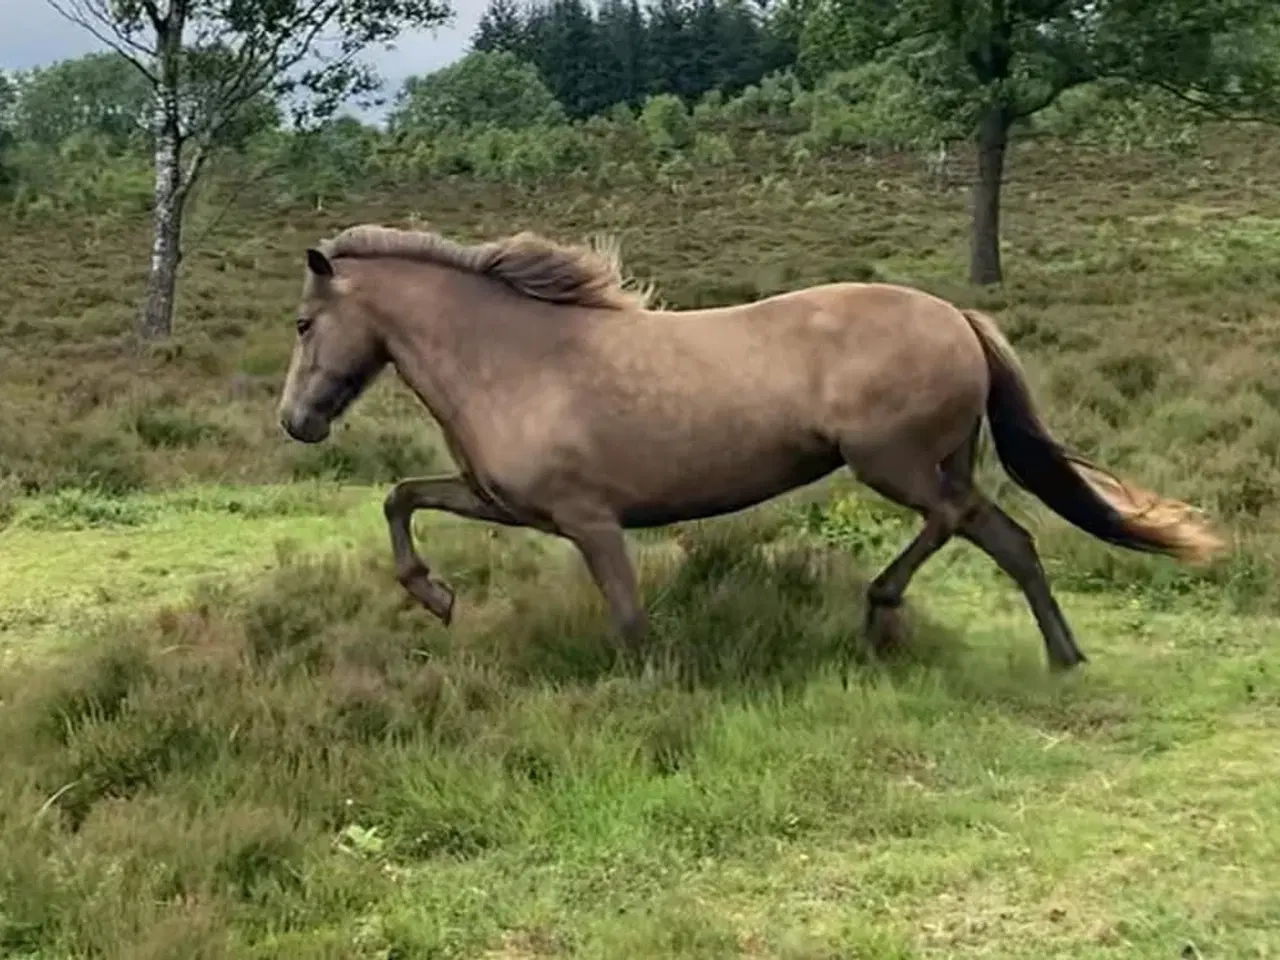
point(97, 95)
point(482, 89)
point(103, 95)
point(1112, 114)
point(319, 164)
point(236, 51)
point(621, 53)
point(981, 67)
point(495, 116)
point(85, 173)
point(1022, 55)
point(9, 93)
point(667, 124)
point(879, 104)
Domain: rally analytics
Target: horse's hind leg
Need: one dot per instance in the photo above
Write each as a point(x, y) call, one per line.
point(1013, 549)
point(942, 494)
point(450, 494)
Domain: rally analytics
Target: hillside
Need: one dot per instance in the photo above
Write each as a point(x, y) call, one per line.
point(224, 733)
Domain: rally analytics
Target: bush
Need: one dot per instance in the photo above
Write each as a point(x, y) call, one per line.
point(106, 464)
point(1114, 115)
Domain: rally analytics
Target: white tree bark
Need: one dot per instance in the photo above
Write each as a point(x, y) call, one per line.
point(156, 322)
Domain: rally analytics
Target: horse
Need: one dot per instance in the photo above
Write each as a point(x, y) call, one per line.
point(573, 406)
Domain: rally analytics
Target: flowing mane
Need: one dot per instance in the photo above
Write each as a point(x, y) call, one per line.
point(584, 276)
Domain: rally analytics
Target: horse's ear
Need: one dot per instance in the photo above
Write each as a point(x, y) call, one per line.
point(319, 264)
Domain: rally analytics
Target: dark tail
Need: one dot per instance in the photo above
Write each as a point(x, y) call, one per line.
point(1080, 492)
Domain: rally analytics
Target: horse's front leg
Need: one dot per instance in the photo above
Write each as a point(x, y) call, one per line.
point(603, 547)
point(451, 494)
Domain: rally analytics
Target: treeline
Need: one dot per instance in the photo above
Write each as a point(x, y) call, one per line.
point(594, 56)
point(74, 136)
point(560, 89)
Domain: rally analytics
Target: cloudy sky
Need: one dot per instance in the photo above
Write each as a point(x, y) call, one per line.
point(35, 34)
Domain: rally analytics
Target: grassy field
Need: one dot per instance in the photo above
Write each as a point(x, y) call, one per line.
point(224, 731)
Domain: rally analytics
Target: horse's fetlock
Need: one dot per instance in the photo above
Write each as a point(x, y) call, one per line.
point(884, 597)
point(412, 571)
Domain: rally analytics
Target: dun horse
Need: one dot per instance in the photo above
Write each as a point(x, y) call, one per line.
point(572, 408)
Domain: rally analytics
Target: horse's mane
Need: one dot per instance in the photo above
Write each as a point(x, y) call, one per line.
point(585, 276)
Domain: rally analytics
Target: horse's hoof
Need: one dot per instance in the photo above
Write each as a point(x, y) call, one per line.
point(885, 630)
point(432, 594)
point(444, 609)
point(1065, 667)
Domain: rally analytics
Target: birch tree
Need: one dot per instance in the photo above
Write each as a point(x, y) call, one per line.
point(207, 61)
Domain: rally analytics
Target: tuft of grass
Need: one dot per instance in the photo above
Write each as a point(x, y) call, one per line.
point(74, 509)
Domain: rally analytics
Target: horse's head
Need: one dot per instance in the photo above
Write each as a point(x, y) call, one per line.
point(337, 355)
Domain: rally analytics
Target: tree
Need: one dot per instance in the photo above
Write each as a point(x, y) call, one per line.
point(9, 93)
point(103, 95)
point(995, 63)
point(99, 94)
point(623, 43)
point(571, 56)
point(672, 63)
point(501, 28)
point(206, 60)
point(483, 88)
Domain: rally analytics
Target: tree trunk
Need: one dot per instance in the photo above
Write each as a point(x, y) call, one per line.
point(156, 322)
point(984, 250)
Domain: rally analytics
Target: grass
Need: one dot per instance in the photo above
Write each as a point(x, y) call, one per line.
point(75, 553)
point(301, 761)
point(225, 732)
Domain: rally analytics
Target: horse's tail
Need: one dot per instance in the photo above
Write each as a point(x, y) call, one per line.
point(1080, 492)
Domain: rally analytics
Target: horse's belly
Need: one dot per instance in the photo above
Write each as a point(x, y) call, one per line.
point(655, 464)
point(665, 494)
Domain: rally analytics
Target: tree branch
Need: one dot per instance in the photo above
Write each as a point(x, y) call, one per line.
point(105, 29)
point(257, 68)
point(195, 164)
point(886, 43)
point(1029, 108)
point(153, 12)
point(1217, 111)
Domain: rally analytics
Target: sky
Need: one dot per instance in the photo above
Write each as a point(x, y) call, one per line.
point(35, 35)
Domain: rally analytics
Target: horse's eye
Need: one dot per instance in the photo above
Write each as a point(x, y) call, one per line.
point(303, 324)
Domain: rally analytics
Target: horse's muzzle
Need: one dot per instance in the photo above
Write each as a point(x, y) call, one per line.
point(307, 429)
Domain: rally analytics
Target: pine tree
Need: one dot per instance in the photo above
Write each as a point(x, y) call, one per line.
point(501, 27)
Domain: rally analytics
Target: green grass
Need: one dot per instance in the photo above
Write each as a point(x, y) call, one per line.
point(300, 758)
point(76, 553)
point(225, 732)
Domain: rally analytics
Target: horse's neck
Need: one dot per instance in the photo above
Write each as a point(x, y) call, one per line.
point(470, 338)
